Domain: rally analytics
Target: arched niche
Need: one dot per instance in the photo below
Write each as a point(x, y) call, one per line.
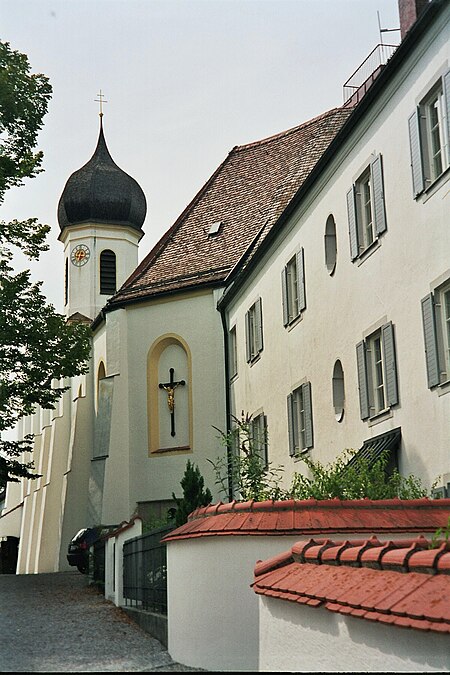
point(169, 396)
point(330, 244)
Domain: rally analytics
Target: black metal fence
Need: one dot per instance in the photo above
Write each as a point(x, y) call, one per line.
point(145, 571)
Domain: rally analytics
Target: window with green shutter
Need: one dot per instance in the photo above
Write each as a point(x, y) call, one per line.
point(293, 288)
point(258, 433)
point(436, 332)
point(300, 421)
point(254, 331)
point(366, 209)
point(377, 372)
point(429, 136)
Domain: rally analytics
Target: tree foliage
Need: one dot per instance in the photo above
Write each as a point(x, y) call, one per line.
point(37, 347)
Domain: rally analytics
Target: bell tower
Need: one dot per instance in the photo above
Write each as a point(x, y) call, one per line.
point(101, 212)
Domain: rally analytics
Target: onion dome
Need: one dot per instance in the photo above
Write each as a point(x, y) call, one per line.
point(100, 192)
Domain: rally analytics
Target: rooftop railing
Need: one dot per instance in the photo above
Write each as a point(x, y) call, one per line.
point(359, 82)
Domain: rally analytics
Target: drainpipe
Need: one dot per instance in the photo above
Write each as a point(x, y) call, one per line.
point(221, 309)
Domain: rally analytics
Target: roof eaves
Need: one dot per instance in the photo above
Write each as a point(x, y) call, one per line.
point(238, 274)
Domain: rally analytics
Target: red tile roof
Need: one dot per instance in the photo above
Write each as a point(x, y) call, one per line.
point(311, 517)
point(247, 193)
point(397, 582)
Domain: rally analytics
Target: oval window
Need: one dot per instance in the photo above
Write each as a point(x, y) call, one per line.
point(338, 391)
point(330, 244)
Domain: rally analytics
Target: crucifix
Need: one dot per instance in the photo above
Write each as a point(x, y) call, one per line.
point(170, 387)
point(101, 100)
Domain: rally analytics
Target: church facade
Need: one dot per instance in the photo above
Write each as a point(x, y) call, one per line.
point(307, 283)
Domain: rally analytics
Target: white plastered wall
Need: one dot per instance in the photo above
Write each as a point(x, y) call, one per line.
point(341, 309)
point(131, 474)
point(297, 638)
point(84, 281)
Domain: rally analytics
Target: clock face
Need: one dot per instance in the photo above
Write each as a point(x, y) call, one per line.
point(80, 255)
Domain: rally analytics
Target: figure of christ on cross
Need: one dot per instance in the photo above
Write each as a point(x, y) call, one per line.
point(170, 387)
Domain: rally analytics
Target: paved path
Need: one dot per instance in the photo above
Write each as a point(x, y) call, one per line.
point(58, 623)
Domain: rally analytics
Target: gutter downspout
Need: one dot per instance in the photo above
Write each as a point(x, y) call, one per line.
point(221, 309)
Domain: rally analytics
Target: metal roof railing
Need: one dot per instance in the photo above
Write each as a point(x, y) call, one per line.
point(359, 82)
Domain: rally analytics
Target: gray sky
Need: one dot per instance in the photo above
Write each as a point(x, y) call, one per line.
point(185, 81)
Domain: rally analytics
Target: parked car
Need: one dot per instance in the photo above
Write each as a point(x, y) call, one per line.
point(79, 545)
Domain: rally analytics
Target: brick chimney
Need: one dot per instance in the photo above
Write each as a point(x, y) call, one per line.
point(409, 11)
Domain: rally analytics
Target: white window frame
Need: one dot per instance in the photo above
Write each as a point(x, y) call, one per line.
point(433, 127)
point(364, 210)
point(375, 373)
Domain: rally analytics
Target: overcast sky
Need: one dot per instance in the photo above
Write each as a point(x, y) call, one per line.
point(184, 81)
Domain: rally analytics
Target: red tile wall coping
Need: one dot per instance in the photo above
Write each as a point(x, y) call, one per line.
point(124, 525)
point(312, 516)
point(405, 583)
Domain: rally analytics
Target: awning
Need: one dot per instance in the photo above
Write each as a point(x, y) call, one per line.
point(373, 448)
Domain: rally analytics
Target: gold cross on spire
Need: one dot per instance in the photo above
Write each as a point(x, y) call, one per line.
point(101, 100)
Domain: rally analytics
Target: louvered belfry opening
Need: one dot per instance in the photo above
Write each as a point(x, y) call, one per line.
point(107, 272)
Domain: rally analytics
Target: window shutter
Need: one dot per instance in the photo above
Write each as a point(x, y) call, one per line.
point(378, 195)
point(284, 292)
point(446, 90)
point(307, 406)
point(362, 380)
point(247, 337)
point(390, 363)
point(416, 154)
point(290, 410)
point(259, 327)
point(352, 228)
point(301, 281)
point(430, 338)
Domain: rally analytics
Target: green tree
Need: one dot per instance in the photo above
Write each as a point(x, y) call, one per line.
point(37, 346)
point(194, 495)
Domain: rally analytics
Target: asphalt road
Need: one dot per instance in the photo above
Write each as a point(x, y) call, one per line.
point(58, 623)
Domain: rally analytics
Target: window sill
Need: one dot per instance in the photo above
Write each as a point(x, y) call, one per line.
point(381, 416)
point(254, 360)
point(374, 246)
point(289, 326)
point(176, 449)
point(443, 388)
point(298, 455)
point(434, 186)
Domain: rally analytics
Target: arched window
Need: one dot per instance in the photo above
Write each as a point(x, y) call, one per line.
point(107, 272)
point(338, 391)
point(330, 244)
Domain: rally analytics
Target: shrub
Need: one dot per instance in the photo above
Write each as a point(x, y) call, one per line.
point(194, 495)
point(359, 480)
point(251, 478)
point(244, 468)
